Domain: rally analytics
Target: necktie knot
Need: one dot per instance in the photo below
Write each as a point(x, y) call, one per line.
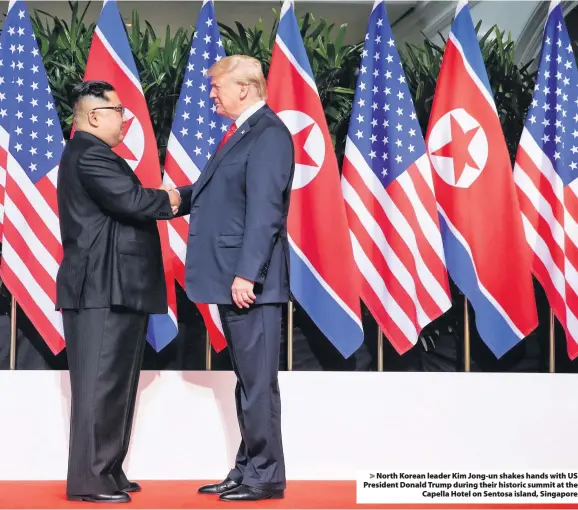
point(228, 134)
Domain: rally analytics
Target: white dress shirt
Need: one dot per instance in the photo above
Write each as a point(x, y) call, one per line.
point(248, 112)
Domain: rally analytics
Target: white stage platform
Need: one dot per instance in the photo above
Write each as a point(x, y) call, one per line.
point(334, 423)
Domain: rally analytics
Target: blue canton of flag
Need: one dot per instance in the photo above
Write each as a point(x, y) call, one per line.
point(27, 109)
point(384, 125)
point(197, 126)
point(553, 116)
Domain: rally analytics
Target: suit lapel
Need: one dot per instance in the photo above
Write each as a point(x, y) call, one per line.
point(217, 157)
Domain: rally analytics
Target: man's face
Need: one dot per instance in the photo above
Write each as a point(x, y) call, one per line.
point(108, 119)
point(227, 93)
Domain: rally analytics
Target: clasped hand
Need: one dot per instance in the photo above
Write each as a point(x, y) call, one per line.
point(174, 197)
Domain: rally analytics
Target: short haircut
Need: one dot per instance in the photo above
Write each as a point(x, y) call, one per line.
point(92, 88)
point(245, 69)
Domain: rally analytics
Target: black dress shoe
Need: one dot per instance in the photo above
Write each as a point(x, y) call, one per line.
point(132, 487)
point(246, 493)
point(114, 497)
point(218, 488)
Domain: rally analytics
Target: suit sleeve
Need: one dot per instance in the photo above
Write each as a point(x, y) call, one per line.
point(186, 193)
point(269, 168)
point(115, 192)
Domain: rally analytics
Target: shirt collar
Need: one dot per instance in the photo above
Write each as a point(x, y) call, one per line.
point(248, 112)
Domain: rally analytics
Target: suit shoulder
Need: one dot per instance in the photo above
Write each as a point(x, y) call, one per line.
point(272, 124)
point(96, 152)
point(274, 120)
point(73, 151)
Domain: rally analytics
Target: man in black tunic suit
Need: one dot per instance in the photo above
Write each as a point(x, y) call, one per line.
point(110, 279)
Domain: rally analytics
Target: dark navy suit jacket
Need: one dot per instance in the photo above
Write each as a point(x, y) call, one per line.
point(238, 214)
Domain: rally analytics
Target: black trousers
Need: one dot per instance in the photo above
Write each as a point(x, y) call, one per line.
point(254, 340)
point(105, 348)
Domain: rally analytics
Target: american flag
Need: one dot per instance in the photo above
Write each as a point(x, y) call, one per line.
point(388, 188)
point(31, 133)
point(545, 174)
point(195, 135)
point(3, 147)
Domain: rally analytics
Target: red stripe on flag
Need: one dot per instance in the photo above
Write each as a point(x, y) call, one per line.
point(48, 191)
point(544, 230)
point(217, 339)
point(374, 302)
point(3, 158)
point(181, 227)
point(398, 195)
point(555, 299)
point(174, 171)
point(37, 317)
point(33, 219)
point(432, 259)
point(395, 241)
point(179, 270)
point(38, 270)
point(541, 183)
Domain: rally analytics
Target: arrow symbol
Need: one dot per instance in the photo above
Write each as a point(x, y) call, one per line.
point(371, 475)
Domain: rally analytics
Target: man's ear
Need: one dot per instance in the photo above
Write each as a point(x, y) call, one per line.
point(93, 118)
point(244, 91)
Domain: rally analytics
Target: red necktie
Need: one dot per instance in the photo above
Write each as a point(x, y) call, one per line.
point(228, 134)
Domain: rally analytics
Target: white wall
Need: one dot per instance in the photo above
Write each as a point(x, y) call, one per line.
point(431, 17)
point(334, 423)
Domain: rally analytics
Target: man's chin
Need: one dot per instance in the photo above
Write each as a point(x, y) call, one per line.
point(120, 140)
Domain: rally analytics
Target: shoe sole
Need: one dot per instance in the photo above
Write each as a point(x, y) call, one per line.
point(215, 493)
point(274, 496)
point(92, 500)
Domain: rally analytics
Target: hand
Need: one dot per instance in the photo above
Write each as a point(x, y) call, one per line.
point(174, 197)
point(242, 292)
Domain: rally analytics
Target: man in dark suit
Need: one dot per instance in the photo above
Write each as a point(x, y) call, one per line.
point(238, 258)
point(110, 279)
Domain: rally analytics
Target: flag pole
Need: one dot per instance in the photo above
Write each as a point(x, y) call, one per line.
point(379, 349)
point(466, 336)
point(552, 344)
point(13, 334)
point(290, 335)
point(207, 352)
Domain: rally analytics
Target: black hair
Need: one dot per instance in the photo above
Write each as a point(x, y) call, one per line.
point(90, 89)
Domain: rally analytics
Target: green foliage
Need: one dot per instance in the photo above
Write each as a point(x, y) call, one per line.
point(161, 68)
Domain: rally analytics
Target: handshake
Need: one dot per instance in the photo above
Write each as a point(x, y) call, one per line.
point(174, 197)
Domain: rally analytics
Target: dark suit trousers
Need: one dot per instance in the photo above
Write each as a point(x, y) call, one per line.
point(254, 340)
point(105, 348)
